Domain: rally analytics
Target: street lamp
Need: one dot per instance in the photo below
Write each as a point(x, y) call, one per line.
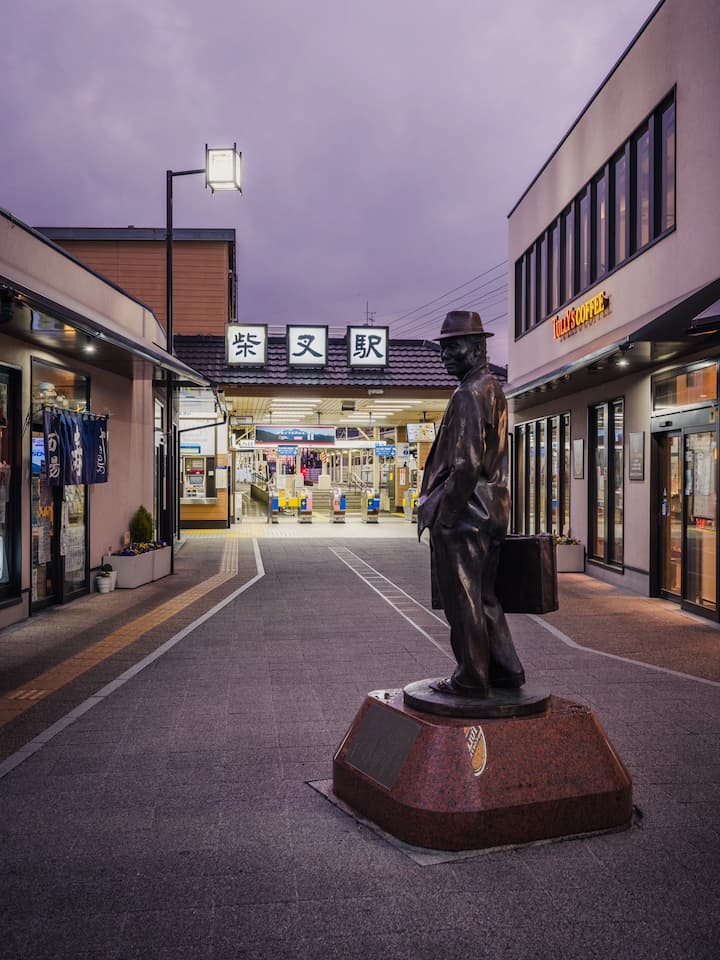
point(222, 172)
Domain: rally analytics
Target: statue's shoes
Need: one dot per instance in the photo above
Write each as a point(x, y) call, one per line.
point(507, 680)
point(449, 686)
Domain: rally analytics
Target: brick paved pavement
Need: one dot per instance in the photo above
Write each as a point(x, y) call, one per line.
point(174, 817)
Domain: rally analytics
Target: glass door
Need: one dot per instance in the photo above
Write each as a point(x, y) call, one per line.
point(671, 515)
point(700, 488)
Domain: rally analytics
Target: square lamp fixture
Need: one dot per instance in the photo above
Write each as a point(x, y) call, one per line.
point(222, 168)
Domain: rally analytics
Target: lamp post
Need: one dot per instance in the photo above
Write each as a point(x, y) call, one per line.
point(222, 172)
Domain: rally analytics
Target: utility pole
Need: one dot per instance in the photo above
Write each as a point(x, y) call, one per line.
point(369, 317)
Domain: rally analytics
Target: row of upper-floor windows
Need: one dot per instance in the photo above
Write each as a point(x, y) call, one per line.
point(627, 204)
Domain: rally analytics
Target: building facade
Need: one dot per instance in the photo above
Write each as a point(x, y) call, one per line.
point(81, 363)
point(615, 320)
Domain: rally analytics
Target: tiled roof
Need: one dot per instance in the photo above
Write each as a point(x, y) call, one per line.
point(412, 364)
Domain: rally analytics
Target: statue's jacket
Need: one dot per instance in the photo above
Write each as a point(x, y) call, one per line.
point(464, 483)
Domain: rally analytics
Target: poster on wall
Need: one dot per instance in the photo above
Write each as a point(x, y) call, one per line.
point(578, 459)
point(636, 467)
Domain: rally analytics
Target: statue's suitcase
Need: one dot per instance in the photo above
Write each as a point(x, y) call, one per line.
point(527, 574)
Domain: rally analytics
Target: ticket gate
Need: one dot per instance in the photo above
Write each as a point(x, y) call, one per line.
point(369, 507)
point(337, 507)
point(410, 505)
point(304, 506)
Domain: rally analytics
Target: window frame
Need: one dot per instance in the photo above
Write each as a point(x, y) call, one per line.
point(607, 557)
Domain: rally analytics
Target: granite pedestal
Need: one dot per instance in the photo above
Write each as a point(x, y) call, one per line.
point(461, 783)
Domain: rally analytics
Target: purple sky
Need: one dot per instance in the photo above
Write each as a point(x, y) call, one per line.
point(384, 141)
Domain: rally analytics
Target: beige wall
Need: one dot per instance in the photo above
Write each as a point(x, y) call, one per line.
point(679, 46)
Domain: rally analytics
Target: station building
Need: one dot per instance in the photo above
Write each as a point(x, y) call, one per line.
point(81, 357)
point(298, 403)
point(615, 314)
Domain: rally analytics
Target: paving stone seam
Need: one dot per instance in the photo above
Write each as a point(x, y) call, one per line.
point(568, 641)
point(343, 554)
point(15, 759)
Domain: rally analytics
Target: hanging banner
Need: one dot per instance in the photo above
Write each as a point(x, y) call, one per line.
point(76, 447)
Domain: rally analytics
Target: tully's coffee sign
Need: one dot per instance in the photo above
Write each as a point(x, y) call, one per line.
point(576, 317)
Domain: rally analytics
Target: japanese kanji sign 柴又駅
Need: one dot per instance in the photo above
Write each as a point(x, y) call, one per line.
point(307, 346)
point(247, 344)
point(367, 346)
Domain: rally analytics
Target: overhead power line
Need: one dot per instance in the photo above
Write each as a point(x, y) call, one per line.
point(496, 292)
point(442, 296)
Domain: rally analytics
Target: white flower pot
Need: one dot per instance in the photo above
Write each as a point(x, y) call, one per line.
point(103, 585)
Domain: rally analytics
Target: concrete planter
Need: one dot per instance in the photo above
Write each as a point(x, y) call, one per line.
point(161, 563)
point(570, 558)
point(132, 571)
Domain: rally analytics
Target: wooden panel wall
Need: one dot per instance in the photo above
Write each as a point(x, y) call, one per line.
point(200, 278)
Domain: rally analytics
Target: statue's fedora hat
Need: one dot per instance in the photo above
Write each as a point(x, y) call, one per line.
point(462, 323)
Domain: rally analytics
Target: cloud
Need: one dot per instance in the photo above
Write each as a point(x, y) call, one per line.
point(384, 142)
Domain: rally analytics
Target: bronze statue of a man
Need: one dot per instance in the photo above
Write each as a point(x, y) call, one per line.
point(464, 501)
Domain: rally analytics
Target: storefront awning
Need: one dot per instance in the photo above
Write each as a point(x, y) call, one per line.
point(31, 317)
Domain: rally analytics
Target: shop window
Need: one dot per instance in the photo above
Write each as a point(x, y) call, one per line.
point(531, 302)
point(584, 239)
point(531, 520)
point(686, 387)
point(564, 443)
point(520, 297)
point(569, 254)
point(606, 505)
point(542, 278)
point(620, 208)
point(9, 484)
point(58, 514)
point(519, 480)
point(642, 212)
point(666, 178)
point(554, 251)
point(541, 482)
point(600, 215)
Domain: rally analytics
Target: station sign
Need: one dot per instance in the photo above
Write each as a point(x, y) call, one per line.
point(307, 346)
point(367, 346)
point(385, 449)
point(246, 344)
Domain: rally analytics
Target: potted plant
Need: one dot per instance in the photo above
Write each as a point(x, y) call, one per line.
point(570, 554)
point(143, 559)
point(107, 570)
point(103, 581)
